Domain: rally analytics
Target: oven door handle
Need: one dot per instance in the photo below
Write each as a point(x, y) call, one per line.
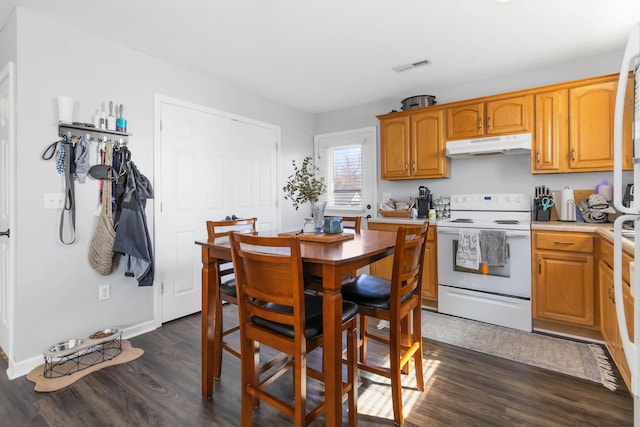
point(510, 233)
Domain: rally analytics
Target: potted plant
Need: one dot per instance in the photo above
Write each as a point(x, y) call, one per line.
point(305, 185)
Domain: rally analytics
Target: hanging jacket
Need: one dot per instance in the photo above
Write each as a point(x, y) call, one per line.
point(132, 233)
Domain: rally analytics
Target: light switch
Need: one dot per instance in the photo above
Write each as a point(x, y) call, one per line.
point(53, 200)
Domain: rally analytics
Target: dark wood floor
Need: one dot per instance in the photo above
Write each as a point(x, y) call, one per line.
point(162, 388)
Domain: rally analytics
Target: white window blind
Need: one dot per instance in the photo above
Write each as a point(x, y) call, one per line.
point(345, 163)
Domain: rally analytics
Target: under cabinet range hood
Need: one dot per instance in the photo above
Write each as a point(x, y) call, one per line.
point(506, 145)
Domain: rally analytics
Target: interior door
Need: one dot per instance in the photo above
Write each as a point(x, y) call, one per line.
point(212, 166)
point(6, 207)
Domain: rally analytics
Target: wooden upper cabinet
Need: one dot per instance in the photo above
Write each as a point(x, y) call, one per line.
point(551, 131)
point(591, 126)
point(627, 124)
point(510, 115)
point(494, 117)
point(428, 157)
point(574, 127)
point(412, 145)
point(394, 147)
point(465, 121)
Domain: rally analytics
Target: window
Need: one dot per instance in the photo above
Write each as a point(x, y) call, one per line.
point(346, 161)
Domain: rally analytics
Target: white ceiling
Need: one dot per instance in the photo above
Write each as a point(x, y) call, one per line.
point(325, 55)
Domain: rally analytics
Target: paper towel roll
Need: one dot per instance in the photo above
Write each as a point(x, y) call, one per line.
point(567, 208)
point(607, 191)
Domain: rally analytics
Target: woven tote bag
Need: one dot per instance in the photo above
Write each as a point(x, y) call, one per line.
point(101, 247)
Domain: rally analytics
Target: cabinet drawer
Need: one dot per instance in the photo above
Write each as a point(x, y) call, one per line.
point(606, 255)
point(569, 242)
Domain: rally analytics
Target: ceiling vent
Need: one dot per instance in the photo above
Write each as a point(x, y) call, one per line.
point(401, 68)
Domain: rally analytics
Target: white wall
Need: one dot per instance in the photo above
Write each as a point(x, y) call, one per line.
point(490, 174)
point(56, 289)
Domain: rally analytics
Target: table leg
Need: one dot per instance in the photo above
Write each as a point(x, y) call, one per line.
point(332, 354)
point(210, 312)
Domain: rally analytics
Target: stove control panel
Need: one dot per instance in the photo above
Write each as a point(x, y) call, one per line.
point(506, 202)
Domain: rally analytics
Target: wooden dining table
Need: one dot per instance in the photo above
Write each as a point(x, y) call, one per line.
point(331, 261)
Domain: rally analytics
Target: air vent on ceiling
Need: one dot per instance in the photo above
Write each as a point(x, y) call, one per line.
point(411, 66)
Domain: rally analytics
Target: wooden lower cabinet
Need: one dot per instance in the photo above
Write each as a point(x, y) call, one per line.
point(564, 285)
point(609, 320)
point(384, 267)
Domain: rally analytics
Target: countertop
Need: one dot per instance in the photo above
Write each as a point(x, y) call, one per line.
point(604, 230)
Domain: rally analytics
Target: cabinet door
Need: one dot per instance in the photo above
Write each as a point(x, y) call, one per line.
point(510, 115)
point(627, 124)
point(428, 158)
point(591, 126)
point(551, 137)
point(609, 325)
point(430, 272)
point(394, 147)
point(565, 288)
point(465, 121)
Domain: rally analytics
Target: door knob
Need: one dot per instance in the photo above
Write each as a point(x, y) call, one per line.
point(4, 233)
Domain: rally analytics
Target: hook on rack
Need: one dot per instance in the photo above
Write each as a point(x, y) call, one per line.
point(92, 134)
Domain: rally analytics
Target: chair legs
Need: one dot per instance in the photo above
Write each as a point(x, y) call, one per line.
point(405, 347)
point(251, 392)
point(217, 340)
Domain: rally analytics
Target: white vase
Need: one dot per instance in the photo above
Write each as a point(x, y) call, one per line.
point(317, 211)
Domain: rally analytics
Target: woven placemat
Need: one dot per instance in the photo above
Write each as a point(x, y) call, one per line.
point(43, 384)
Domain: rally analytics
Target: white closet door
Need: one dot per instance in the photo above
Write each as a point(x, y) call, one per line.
point(212, 166)
point(7, 203)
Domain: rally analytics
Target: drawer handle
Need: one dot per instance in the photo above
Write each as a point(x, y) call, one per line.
point(479, 123)
point(489, 123)
point(563, 243)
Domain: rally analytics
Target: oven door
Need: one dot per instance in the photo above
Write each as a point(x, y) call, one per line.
point(512, 279)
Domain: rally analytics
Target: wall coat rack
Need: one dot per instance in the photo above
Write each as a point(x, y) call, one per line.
point(79, 131)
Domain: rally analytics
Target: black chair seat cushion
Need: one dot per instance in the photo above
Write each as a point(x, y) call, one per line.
point(370, 291)
point(229, 288)
point(313, 312)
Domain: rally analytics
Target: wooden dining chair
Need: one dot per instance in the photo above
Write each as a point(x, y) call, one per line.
point(275, 310)
point(397, 301)
point(227, 285)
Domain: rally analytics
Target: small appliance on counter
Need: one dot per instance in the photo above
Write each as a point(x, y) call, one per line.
point(424, 202)
point(566, 205)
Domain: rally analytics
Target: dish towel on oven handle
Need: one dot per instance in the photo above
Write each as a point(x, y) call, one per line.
point(468, 253)
point(493, 247)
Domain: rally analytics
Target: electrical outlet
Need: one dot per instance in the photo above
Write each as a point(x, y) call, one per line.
point(104, 292)
point(53, 200)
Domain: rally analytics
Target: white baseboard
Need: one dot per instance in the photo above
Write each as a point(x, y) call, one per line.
point(23, 367)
